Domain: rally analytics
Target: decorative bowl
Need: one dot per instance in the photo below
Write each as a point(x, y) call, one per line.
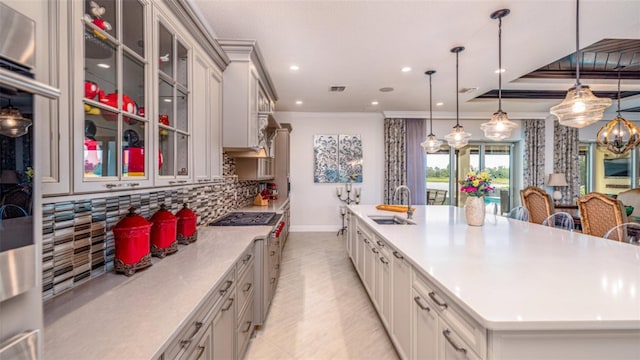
point(629, 210)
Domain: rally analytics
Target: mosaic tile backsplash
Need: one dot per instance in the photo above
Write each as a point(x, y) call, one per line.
point(78, 244)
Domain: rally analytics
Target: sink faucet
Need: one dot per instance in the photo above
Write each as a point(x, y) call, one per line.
point(395, 193)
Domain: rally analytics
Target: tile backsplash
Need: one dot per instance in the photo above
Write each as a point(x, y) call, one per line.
point(78, 244)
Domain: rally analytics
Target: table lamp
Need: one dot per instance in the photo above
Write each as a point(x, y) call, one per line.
point(557, 180)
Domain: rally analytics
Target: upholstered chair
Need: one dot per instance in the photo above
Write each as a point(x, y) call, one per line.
point(538, 202)
point(599, 213)
point(631, 198)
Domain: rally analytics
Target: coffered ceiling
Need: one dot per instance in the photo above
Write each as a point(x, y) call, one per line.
point(363, 45)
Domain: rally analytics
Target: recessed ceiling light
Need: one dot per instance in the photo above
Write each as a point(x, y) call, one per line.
point(294, 67)
point(499, 71)
point(298, 102)
point(166, 100)
point(439, 104)
point(103, 65)
point(406, 69)
point(386, 89)
point(374, 103)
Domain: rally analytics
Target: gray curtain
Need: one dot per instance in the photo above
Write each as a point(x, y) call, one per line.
point(395, 155)
point(566, 160)
point(533, 167)
point(416, 161)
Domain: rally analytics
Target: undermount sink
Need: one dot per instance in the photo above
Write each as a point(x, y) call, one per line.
point(390, 220)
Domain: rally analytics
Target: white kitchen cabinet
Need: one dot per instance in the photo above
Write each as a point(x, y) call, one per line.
point(425, 328)
point(361, 250)
point(370, 266)
point(204, 348)
point(254, 168)
point(281, 153)
point(401, 312)
point(224, 326)
point(451, 346)
point(247, 87)
point(207, 112)
point(383, 288)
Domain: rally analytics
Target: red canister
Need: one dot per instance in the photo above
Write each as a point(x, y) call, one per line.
point(187, 223)
point(132, 235)
point(163, 233)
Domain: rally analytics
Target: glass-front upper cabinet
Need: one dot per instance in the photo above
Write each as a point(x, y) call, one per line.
point(174, 134)
point(116, 66)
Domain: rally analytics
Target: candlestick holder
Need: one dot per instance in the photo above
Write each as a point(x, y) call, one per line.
point(348, 200)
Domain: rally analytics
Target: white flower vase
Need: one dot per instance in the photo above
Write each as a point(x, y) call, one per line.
point(474, 210)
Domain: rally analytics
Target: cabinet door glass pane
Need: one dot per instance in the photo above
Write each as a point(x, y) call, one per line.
point(100, 143)
point(100, 68)
point(103, 15)
point(133, 86)
point(133, 144)
point(165, 53)
point(132, 26)
point(165, 145)
point(182, 109)
point(182, 64)
point(183, 154)
point(165, 104)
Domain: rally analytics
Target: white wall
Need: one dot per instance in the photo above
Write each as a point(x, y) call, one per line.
point(315, 207)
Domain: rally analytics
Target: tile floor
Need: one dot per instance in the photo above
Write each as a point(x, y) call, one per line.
point(320, 309)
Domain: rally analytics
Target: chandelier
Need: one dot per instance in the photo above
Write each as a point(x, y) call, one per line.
point(431, 144)
point(499, 127)
point(619, 135)
point(580, 107)
point(457, 138)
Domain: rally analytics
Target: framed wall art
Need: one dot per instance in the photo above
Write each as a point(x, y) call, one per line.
point(337, 159)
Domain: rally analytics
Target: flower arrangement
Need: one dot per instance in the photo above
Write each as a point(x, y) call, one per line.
point(476, 184)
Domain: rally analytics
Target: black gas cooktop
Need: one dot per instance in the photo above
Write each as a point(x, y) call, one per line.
point(245, 219)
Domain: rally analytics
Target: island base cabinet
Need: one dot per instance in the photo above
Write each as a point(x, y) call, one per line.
point(451, 347)
point(401, 309)
point(204, 348)
point(384, 290)
point(425, 329)
point(223, 325)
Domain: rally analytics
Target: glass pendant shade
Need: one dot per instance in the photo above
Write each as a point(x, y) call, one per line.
point(580, 107)
point(431, 144)
point(499, 127)
point(12, 123)
point(458, 138)
point(619, 135)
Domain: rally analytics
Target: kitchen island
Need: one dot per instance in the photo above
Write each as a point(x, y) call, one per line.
point(511, 289)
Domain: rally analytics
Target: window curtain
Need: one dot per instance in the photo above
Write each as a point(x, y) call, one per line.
point(566, 160)
point(416, 161)
point(533, 167)
point(395, 156)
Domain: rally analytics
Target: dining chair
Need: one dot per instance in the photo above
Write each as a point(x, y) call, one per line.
point(560, 220)
point(627, 232)
point(538, 202)
point(599, 213)
point(631, 198)
point(519, 213)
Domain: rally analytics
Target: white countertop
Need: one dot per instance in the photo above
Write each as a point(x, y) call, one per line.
point(276, 206)
point(119, 317)
point(513, 275)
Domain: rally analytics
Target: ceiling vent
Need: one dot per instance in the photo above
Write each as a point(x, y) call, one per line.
point(337, 88)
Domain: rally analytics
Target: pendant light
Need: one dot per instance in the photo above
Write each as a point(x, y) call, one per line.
point(619, 135)
point(499, 127)
point(457, 138)
point(431, 144)
point(580, 107)
point(12, 123)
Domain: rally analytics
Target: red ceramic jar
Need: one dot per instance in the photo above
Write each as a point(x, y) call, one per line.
point(163, 233)
point(132, 235)
point(187, 225)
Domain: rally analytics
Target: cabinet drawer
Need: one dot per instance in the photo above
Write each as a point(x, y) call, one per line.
point(245, 287)
point(245, 328)
point(245, 261)
point(196, 325)
point(465, 327)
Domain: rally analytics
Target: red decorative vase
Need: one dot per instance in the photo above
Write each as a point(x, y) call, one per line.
point(163, 233)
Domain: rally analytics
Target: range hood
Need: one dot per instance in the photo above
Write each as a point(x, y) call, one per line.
point(268, 126)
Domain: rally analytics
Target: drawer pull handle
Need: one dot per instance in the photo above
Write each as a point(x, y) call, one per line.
point(447, 336)
point(134, 184)
point(230, 300)
point(423, 307)
point(366, 241)
point(380, 243)
point(246, 329)
point(247, 258)
point(358, 232)
point(185, 343)
point(182, 182)
point(111, 186)
point(277, 266)
point(200, 352)
point(433, 297)
point(397, 255)
point(273, 252)
point(384, 261)
point(247, 287)
point(227, 286)
point(375, 251)
point(273, 280)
